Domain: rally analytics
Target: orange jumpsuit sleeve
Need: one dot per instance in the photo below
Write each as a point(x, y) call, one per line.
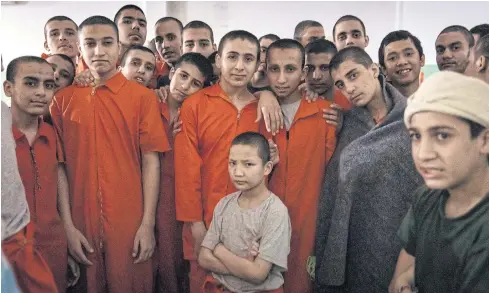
point(151, 131)
point(330, 142)
point(188, 164)
point(56, 117)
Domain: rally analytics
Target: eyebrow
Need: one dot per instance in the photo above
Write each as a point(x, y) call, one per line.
point(455, 43)
point(433, 128)
point(350, 72)
point(132, 18)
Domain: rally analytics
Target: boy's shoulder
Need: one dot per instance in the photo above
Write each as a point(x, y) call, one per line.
point(277, 205)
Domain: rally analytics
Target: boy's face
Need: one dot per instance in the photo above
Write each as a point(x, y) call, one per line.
point(264, 44)
point(61, 38)
point(402, 62)
point(168, 41)
point(198, 40)
point(238, 62)
point(63, 72)
point(246, 168)
point(33, 88)
point(350, 33)
point(186, 80)
point(443, 150)
point(356, 82)
point(132, 27)
point(139, 66)
point(452, 52)
point(311, 34)
point(284, 71)
point(318, 78)
point(99, 48)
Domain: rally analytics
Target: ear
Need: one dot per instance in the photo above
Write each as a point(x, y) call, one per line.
point(119, 68)
point(218, 61)
point(481, 64)
point(268, 168)
point(8, 88)
point(172, 73)
point(367, 41)
point(485, 141)
point(375, 70)
point(46, 46)
point(79, 48)
point(214, 47)
point(422, 61)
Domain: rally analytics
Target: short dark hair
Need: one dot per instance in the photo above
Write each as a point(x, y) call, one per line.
point(99, 20)
point(269, 37)
point(461, 29)
point(14, 65)
point(304, 25)
point(482, 47)
point(256, 140)
point(356, 54)
point(69, 60)
point(196, 24)
point(134, 48)
point(347, 18)
point(200, 61)
point(58, 18)
point(321, 46)
point(239, 34)
point(481, 30)
point(212, 57)
point(169, 18)
point(395, 36)
point(287, 44)
point(127, 7)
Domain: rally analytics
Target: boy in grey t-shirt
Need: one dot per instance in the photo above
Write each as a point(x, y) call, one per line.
point(242, 219)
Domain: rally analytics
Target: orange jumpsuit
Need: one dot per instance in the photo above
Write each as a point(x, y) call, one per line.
point(210, 123)
point(104, 131)
point(297, 179)
point(341, 100)
point(38, 168)
point(169, 230)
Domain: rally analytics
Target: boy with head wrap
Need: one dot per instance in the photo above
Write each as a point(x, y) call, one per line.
point(447, 228)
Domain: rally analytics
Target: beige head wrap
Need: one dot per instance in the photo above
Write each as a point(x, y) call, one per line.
point(453, 94)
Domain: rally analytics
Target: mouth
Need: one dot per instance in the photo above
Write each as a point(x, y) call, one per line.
point(38, 104)
point(353, 99)
point(180, 93)
point(64, 46)
point(168, 54)
point(238, 76)
point(100, 61)
point(135, 35)
point(405, 71)
point(140, 80)
point(430, 172)
point(448, 64)
point(239, 182)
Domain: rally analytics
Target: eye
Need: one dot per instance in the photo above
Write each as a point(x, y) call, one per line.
point(126, 21)
point(204, 45)
point(196, 84)
point(455, 47)
point(440, 50)
point(249, 59)
point(50, 85)
point(232, 57)
point(108, 43)
point(273, 69)
point(249, 164)
point(142, 24)
point(392, 58)
point(340, 85)
point(31, 83)
point(171, 38)
point(232, 164)
point(415, 136)
point(342, 37)
point(189, 45)
point(90, 44)
point(353, 76)
point(136, 63)
point(65, 75)
point(324, 68)
point(442, 136)
point(158, 39)
point(71, 33)
point(54, 34)
point(409, 54)
point(290, 69)
point(356, 35)
point(184, 76)
point(150, 68)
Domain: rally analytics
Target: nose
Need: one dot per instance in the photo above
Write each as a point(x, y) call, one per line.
point(349, 88)
point(98, 50)
point(317, 75)
point(186, 85)
point(447, 54)
point(401, 61)
point(281, 78)
point(240, 64)
point(41, 91)
point(141, 69)
point(56, 76)
point(423, 150)
point(238, 171)
point(135, 25)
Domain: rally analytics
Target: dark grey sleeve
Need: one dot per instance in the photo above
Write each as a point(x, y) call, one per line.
point(407, 233)
point(475, 274)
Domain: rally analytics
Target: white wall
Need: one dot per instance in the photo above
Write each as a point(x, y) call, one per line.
point(22, 25)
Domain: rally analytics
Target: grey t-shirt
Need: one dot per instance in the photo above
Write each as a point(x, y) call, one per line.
point(15, 211)
point(289, 111)
point(236, 228)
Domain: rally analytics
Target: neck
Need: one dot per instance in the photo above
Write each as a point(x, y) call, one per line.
point(294, 97)
point(233, 92)
point(256, 193)
point(329, 94)
point(377, 107)
point(24, 121)
point(473, 189)
point(101, 78)
point(122, 49)
point(408, 89)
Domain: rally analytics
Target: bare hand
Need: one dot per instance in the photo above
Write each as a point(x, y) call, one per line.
point(144, 243)
point(332, 115)
point(176, 124)
point(76, 243)
point(74, 270)
point(163, 93)
point(84, 79)
point(253, 250)
point(403, 283)
point(198, 234)
point(274, 154)
point(269, 109)
point(310, 95)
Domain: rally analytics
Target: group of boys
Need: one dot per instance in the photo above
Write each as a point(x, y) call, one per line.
point(189, 167)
